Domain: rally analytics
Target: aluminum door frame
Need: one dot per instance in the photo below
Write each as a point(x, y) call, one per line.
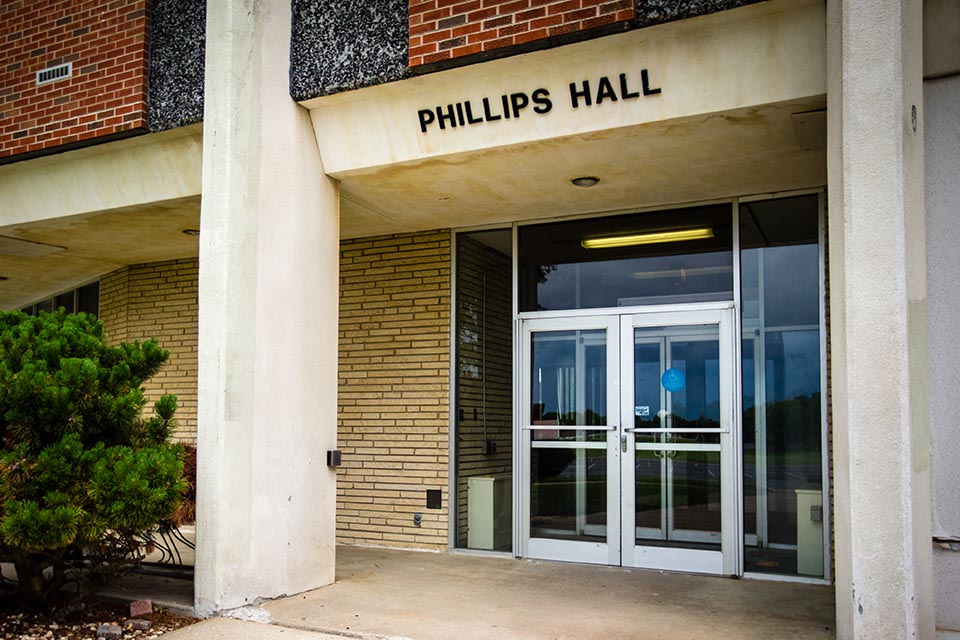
point(727, 561)
point(568, 550)
point(594, 319)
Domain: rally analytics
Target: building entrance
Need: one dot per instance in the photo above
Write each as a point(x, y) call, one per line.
point(627, 438)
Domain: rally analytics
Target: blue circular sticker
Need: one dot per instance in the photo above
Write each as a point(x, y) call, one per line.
point(673, 380)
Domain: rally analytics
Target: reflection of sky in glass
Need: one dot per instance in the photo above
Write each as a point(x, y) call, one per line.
point(553, 355)
point(554, 377)
point(791, 298)
point(646, 380)
point(590, 285)
point(791, 293)
point(792, 364)
point(700, 362)
point(781, 313)
point(749, 385)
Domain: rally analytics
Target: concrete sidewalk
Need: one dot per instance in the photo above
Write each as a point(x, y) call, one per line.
point(382, 593)
point(227, 629)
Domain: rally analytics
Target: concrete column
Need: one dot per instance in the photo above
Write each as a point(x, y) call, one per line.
point(878, 320)
point(269, 247)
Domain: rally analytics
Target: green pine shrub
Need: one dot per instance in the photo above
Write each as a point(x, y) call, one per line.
point(83, 476)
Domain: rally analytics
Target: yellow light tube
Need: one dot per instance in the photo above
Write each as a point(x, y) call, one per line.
point(648, 238)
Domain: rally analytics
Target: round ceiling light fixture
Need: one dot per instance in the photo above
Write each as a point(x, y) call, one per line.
point(191, 232)
point(585, 181)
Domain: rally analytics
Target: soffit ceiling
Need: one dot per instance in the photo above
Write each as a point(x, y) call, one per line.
point(763, 149)
point(81, 248)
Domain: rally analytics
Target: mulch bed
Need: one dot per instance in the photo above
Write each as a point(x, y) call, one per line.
point(15, 624)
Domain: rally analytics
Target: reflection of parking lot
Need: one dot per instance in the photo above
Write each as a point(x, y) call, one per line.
point(696, 479)
point(649, 466)
point(783, 477)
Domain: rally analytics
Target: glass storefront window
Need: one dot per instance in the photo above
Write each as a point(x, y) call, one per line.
point(781, 367)
point(663, 257)
point(86, 299)
point(483, 451)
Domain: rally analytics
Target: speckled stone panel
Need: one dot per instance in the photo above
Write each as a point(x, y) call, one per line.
point(650, 12)
point(338, 46)
point(178, 28)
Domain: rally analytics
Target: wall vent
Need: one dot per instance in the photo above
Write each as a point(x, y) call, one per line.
point(52, 74)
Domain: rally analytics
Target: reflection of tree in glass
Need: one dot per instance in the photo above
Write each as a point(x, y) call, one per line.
point(543, 271)
point(793, 427)
point(678, 420)
point(792, 415)
point(567, 418)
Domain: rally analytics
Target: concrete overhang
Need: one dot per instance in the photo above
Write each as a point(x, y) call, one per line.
point(96, 210)
point(739, 112)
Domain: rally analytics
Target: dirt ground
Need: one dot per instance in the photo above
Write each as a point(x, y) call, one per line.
point(17, 625)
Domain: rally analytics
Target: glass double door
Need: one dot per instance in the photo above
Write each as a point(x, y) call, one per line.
point(626, 434)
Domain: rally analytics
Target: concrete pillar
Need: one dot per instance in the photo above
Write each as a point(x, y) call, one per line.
point(268, 322)
point(878, 320)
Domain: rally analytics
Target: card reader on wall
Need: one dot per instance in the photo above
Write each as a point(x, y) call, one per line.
point(333, 458)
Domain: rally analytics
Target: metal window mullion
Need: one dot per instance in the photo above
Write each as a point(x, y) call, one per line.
point(579, 409)
point(760, 418)
point(680, 446)
point(824, 414)
point(666, 405)
point(738, 391)
point(567, 444)
point(453, 477)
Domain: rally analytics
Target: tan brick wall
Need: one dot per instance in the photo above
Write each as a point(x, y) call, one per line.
point(446, 29)
point(159, 300)
point(106, 42)
point(394, 394)
point(113, 304)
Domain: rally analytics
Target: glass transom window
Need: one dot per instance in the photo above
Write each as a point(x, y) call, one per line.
point(663, 257)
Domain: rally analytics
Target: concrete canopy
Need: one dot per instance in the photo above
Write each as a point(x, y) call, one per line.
point(91, 211)
point(734, 153)
point(723, 105)
point(87, 246)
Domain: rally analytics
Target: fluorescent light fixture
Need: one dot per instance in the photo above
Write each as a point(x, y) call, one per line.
point(656, 237)
point(681, 272)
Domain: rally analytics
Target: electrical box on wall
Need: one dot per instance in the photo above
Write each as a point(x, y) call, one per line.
point(333, 458)
point(810, 531)
point(489, 504)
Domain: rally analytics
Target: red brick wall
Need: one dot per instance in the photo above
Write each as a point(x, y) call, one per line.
point(107, 43)
point(445, 29)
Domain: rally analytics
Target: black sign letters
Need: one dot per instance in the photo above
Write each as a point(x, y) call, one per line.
point(513, 105)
